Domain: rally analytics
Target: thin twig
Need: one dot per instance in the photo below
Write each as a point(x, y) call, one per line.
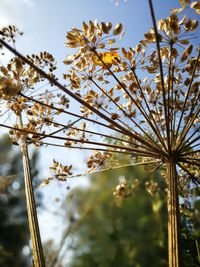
point(161, 71)
point(110, 168)
point(187, 95)
point(79, 140)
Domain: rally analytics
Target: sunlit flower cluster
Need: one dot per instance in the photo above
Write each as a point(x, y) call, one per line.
point(124, 189)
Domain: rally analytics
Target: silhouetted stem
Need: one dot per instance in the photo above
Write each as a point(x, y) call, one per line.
point(139, 152)
point(70, 126)
point(173, 216)
point(153, 126)
point(38, 255)
point(91, 149)
point(113, 168)
point(192, 177)
point(187, 95)
point(161, 72)
point(169, 88)
point(188, 127)
point(70, 113)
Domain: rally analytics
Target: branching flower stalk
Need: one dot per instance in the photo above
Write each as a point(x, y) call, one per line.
point(38, 255)
point(153, 119)
point(18, 77)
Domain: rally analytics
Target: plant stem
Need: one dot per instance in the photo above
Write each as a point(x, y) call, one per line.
point(38, 255)
point(173, 216)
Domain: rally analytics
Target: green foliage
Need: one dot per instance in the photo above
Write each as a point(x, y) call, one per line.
point(190, 232)
point(118, 232)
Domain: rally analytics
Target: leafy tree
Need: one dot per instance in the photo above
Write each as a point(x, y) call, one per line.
point(130, 230)
point(107, 231)
point(14, 233)
point(190, 231)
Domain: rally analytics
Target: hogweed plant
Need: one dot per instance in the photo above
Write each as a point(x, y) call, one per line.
point(141, 102)
point(18, 78)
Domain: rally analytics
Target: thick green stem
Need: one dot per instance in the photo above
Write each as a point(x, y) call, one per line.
point(173, 216)
point(38, 255)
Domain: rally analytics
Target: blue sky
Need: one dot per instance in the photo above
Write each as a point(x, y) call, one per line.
point(45, 23)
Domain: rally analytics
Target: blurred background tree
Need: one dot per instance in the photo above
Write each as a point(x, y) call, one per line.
point(108, 231)
point(131, 232)
point(190, 225)
point(14, 233)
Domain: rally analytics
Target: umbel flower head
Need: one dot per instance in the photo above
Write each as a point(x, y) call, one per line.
point(153, 106)
point(21, 90)
point(141, 101)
